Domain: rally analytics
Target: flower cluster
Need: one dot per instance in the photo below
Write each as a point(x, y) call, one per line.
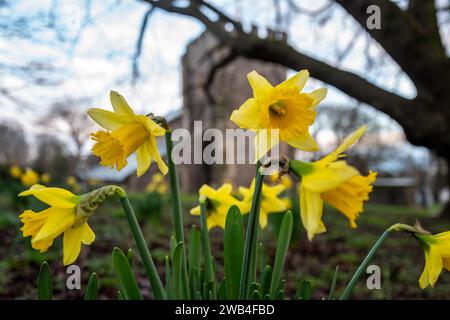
point(284, 108)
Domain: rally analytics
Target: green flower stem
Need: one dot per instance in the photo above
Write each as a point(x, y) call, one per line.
point(209, 269)
point(251, 238)
point(351, 285)
point(174, 191)
point(177, 209)
point(146, 257)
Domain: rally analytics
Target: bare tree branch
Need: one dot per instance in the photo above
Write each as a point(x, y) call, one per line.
point(406, 41)
point(313, 13)
point(423, 118)
point(278, 51)
point(137, 54)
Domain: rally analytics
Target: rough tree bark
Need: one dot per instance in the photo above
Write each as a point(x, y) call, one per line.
point(411, 37)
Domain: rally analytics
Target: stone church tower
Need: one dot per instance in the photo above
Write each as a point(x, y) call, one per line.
point(229, 90)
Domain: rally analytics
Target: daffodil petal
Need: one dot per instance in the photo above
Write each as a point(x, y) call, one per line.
point(274, 205)
point(216, 220)
point(225, 189)
point(57, 222)
point(347, 143)
point(259, 84)
point(263, 218)
point(304, 142)
point(152, 145)
point(195, 211)
point(143, 158)
point(207, 191)
point(72, 244)
point(311, 208)
point(265, 140)
point(433, 267)
point(55, 197)
point(151, 126)
point(88, 235)
point(326, 178)
point(119, 104)
point(317, 95)
point(248, 115)
point(245, 192)
point(107, 119)
point(298, 80)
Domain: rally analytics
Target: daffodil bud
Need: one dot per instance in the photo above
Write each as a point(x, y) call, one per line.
point(90, 201)
point(416, 229)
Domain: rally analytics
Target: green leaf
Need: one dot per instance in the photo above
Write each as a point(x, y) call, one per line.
point(169, 285)
point(194, 257)
point(333, 284)
point(284, 239)
point(120, 295)
point(45, 291)
point(92, 288)
point(124, 273)
point(173, 245)
point(262, 258)
point(279, 295)
point(130, 255)
point(233, 251)
point(198, 296)
point(209, 275)
point(254, 286)
point(194, 281)
point(255, 295)
point(177, 269)
point(304, 290)
point(222, 292)
point(266, 279)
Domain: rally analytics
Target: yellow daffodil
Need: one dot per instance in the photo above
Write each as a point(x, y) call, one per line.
point(15, 171)
point(45, 178)
point(437, 256)
point(270, 202)
point(335, 182)
point(63, 216)
point(284, 179)
point(73, 183)
point(29, 177)
point(218, 203)
point(157, 184)
point(126, 133)
point(284, 108)
point(93, 182)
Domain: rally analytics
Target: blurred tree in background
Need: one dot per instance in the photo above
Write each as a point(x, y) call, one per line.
point(409, 33)
point(14, 145)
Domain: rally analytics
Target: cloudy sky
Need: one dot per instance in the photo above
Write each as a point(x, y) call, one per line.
point(84, 48)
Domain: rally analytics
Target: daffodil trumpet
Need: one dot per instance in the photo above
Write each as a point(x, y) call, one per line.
point(333, 181)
